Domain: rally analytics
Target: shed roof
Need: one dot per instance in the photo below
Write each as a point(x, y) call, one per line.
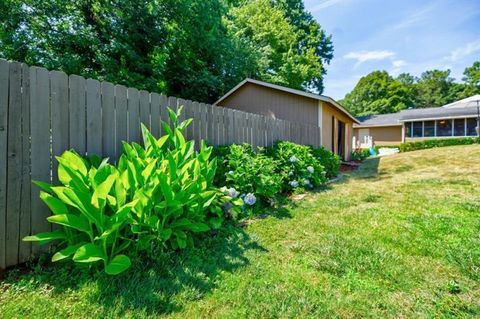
point(292, 91)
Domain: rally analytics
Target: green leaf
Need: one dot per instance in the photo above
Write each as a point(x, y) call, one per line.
point(46, 237)
point(72, 221)
point(66, 252)
point(118, 264)
point(199, 227)
point(55, 205)
point(181, 239)
point(102, 190)
point(165, 234)
point(89, 253)
point(216, 223)
point(44, 186)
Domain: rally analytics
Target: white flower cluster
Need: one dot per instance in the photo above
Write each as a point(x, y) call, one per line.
point(293, 159)
point(250, 199)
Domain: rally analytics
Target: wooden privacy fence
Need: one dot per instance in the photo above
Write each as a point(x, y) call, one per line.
point(43, 113)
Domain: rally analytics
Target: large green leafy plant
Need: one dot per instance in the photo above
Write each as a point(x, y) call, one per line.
point(94, 213)
point(172, 186)
point(160, 194)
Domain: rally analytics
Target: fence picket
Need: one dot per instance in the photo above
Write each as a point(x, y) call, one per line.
point(40, 156)
point(108, 121)
point(77, 114)
point(94, 118)
point(121, 118)
point(132, 103)
point(145, 108)
point(4, 81)
point(155, 114)
point(24, 248)
point(59, 117)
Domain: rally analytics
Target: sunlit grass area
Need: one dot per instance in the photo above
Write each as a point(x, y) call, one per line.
point(400, 237)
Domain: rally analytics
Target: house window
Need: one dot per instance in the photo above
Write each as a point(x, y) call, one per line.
point(444, 128)
point(459, 127)
point(429, 129)
point(408, 129)
point(417, 129)
point(471, 124)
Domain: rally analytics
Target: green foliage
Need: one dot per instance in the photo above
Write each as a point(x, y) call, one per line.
point(159, 196)
point(162, 45)
point(288, 47)
point(330, 161)
point(298, 165)
point(379, 93)
point(93, 212)
point(413, 146)
point(360, 154)
point(246, 172)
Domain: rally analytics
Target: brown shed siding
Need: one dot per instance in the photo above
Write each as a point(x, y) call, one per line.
point(385, 135)
point(329, 113)
point(273, 103)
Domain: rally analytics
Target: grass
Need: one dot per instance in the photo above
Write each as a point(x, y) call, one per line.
point(398, 238)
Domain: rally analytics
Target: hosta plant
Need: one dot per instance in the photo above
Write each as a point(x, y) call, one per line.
point(298, 165)
point(93, 212)
point(172, 186)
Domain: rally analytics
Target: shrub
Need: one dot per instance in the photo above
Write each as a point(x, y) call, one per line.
point(412, 146)
point(330, 161)
point(297, 165)
point(159, 196)
point(93, 211)
point(360, 154)
point(247, 172)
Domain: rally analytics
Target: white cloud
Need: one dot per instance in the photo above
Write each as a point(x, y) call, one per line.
point(325, 4)
point(364, 56)
point(465, 51)
point(398, 67)
point(416, 18)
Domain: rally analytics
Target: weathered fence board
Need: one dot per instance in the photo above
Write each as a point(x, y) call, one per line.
point(4, 80)
point(44, 113)
point(94, 118)
point(24, 248)
point(40, 156)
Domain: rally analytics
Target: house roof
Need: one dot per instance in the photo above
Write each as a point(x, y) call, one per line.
point(292, 91)
point(462, 108)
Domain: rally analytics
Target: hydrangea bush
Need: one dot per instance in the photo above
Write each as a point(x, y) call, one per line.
point(330, 161)
point(298, 165)
point(251, 175)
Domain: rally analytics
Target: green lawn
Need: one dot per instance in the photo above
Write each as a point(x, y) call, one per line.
point(399, 238)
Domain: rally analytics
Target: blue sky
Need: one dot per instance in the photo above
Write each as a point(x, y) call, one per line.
point(397, 36)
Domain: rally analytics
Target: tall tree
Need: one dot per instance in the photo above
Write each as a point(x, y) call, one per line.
point(288, 46)
point(377, 93)
point(433, 89)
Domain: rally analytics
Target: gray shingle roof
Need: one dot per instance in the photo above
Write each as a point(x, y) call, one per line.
point(416, 114)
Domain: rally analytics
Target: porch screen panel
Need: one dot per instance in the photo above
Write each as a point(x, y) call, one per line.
point(417, 129)
point(459, 127)
point(429, 129)
point(408, 129)
point(444, 128)
point(471, 124)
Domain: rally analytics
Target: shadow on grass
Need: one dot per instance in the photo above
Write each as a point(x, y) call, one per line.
point(153, 286)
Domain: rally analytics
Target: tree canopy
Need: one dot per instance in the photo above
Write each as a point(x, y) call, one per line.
point(380, 93)
point(195, 49)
